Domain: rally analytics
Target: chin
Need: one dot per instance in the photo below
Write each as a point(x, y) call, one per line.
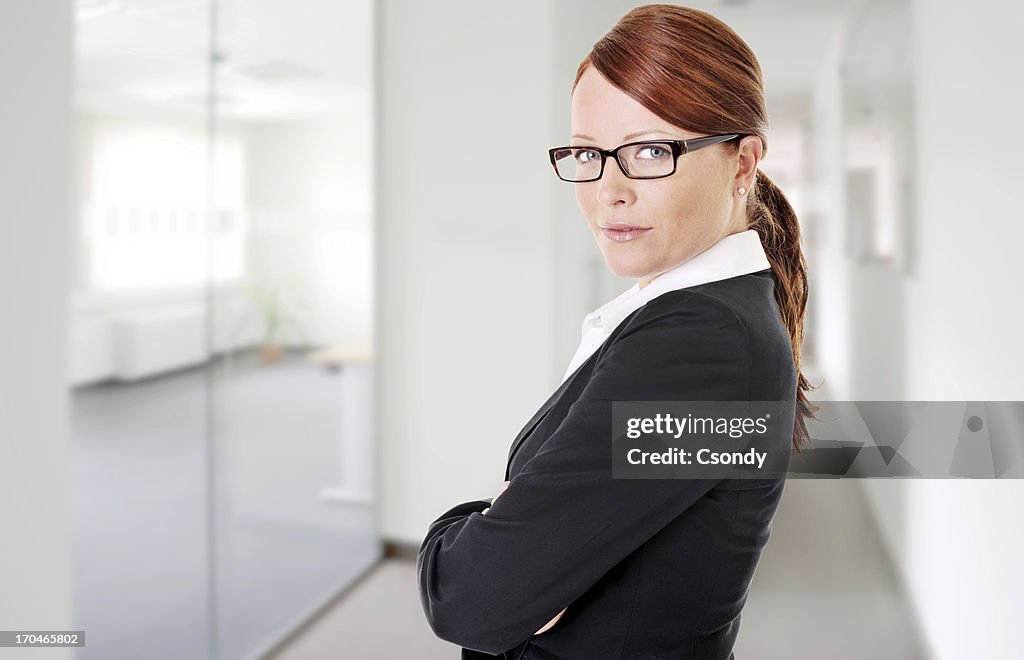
point(630, 268)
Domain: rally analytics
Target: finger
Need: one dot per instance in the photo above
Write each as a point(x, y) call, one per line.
point(547, 626)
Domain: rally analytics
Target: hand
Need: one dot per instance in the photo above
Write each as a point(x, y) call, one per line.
point(495, 498)
point(547, 626)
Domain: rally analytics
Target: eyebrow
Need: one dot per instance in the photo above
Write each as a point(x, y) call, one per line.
point(625, 137)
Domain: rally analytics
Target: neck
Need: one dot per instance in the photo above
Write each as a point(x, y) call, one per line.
point(647, 280)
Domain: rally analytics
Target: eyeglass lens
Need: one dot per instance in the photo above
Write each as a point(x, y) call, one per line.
point(639, 160)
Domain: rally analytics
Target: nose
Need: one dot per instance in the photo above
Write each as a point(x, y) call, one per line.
point(614, 187)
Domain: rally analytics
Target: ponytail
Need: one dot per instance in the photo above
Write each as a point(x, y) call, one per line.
point(769, 212)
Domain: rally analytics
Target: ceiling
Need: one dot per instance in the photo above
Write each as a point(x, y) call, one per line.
point(274, 59)
point(305, 57)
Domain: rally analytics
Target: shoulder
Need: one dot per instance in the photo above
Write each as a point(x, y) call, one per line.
point(692, 304)
point(684, 344)
point(683, 311)
point(735, 297)
point(745, 301)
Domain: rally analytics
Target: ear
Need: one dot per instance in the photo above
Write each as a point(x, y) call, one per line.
point(748, 156)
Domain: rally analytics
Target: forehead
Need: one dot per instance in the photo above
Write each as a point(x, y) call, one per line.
point(605, 112)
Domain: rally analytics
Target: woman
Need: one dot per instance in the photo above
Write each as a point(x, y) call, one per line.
point(669, 125)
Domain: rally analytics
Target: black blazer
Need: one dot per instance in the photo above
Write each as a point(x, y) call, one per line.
point(652, 569)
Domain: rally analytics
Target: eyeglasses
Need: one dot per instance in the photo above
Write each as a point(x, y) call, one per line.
point(650, 159)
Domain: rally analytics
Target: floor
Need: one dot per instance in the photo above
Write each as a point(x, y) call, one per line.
point(147, 572)
point(824, 589)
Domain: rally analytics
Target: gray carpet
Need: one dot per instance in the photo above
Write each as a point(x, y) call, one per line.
point(142, 576)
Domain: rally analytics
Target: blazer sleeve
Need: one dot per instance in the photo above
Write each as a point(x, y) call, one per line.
point(489, 582)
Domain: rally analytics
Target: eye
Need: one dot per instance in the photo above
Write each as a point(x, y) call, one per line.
point(587, 156)
point(655, 151)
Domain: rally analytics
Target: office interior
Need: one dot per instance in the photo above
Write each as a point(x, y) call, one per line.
point(258, 282)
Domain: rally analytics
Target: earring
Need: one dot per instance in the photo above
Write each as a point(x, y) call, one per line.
point(741, 190)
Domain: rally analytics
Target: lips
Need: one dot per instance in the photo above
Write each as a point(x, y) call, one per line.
point(623, 233)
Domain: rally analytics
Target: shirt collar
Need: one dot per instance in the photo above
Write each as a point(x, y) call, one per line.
point(736, 254)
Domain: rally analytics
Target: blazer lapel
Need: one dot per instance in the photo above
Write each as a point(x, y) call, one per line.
point(541, 414)
point(546, 408)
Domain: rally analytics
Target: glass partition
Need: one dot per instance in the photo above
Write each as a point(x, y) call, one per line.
point(221, 316)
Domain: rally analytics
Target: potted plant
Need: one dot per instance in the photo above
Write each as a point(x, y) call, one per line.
point(277, 313)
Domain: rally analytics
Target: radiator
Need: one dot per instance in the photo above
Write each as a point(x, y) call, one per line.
point(153, 342)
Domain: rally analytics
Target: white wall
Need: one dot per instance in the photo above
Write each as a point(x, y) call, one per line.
point(954, 334)
point(464, 248)
point(964, 539)
point(35, 253)
point(315, 177)
point(948, 331)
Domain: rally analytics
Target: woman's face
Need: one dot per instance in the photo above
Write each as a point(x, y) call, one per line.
point(679, 215)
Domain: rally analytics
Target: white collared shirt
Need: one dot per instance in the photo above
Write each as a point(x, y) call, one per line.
point(736, 254)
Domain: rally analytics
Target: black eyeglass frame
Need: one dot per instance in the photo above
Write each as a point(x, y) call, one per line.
point(679, 147)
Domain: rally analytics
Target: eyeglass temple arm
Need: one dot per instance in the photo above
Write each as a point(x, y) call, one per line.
point(698, 143)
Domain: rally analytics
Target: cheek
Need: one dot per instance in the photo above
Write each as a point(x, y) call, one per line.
point(677, 205)
point(695, 201)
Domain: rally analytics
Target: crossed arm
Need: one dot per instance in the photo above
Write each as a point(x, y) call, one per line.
point(547, 626)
